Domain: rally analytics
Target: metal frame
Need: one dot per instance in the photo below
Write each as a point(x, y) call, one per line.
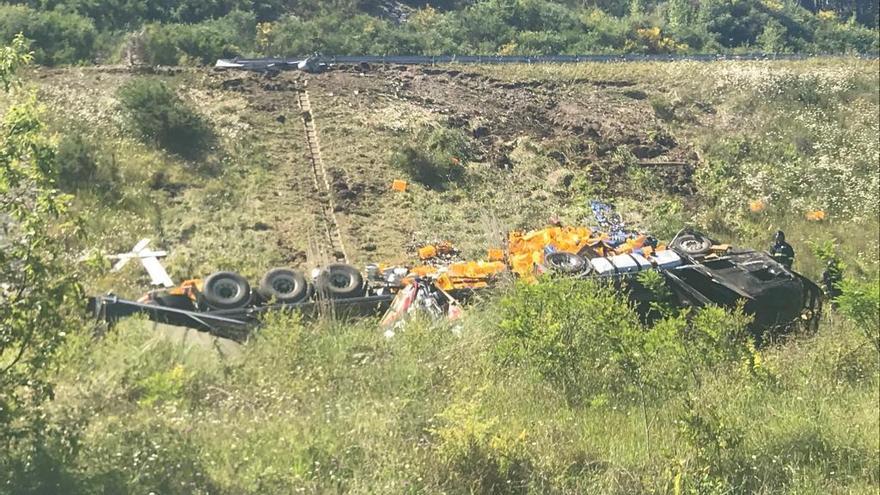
point(236, 323)
point(230, 323)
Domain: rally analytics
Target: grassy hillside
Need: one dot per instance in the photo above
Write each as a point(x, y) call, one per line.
point(334, 408)
point(553, 388)
point(533, 142)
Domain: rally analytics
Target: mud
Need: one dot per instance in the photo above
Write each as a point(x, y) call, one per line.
point(496, 112)
point(594, 128)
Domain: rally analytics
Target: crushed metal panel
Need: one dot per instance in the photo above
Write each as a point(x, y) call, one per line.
point(123, 259)
point(157, 272)
point(149, 259)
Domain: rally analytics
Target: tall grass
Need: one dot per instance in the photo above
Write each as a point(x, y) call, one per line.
point(335, 407)
point(554, 389)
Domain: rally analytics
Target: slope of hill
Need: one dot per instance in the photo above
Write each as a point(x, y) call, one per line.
point(551, 388)
point(661, 140)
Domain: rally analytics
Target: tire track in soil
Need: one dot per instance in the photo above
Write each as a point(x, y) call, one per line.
point(328, 242)
point(297, 213)
point(301, 204)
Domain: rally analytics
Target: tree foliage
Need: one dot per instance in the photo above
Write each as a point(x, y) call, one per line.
point(39, 290)
point(203, 43)
point(12, 58)
point(57, 37)
point(75, 31)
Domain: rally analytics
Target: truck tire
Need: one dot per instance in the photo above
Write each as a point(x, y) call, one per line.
point(226, 290)
point(285, 286)
point(565, 263)
point(691, 244)
point(339, 281)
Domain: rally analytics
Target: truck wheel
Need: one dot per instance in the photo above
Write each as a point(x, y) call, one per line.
point(284, 285)
point(565, 263)
point(226, 290)
point(340, 281)
point(692, 244)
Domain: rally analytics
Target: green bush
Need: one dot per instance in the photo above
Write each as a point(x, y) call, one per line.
point(585, 337)
point(838, 37)
point(338, 33)
point(860, 301)
point(580, 335)
point(57, 37)
point(435, 158)
point(160, 117)
point(127, 14)
point(204, 43)
point(82, 165)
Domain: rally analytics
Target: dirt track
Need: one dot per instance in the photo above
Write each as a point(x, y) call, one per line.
point(361, 113)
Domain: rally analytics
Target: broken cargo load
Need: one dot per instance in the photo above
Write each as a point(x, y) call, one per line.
point(697, 270)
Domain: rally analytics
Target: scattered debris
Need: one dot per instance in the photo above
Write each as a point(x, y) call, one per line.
point(495, 255)
point(438, 253)
point(696, 270)
point(816, 215)
point(311, 64)
point(149, 259)
point(427, 252)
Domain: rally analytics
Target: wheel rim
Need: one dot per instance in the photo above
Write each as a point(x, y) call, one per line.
point(565, 262)
point(339, 280)
point(691, 245)
point(227, 289)
point(284, 286)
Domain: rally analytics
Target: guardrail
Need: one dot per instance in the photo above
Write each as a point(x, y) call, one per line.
point(309, 63)
point(539, 59)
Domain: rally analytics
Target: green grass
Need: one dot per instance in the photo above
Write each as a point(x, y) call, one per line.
point(213, 211)
point(333, 407)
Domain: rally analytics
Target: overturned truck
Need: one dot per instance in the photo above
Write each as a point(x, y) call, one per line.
point(700, 272)
point(697, 271)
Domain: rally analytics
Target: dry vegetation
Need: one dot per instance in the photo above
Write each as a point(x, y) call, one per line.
point(555, 388)
point(542, 140)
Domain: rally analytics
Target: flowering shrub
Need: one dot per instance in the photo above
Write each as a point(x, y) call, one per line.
point(650, 40)
point(814, 140)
